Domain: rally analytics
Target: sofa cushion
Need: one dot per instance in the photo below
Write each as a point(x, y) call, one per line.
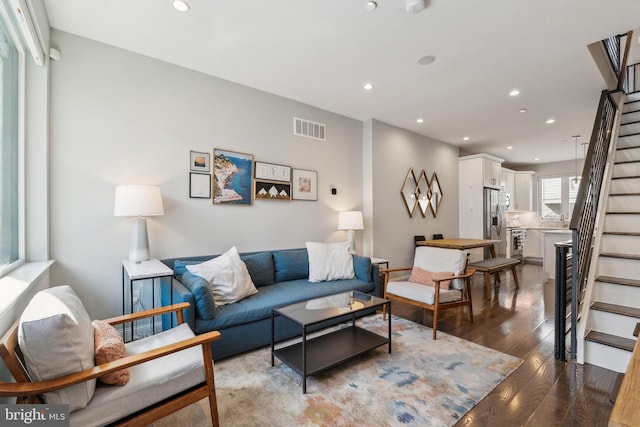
point(260, 268)
point(291, 264)
point(362, 267)
point(180, 266)
point(55, 336)
point(277, 295)
point(204, 301)
point(228, 277)
point(329, 261)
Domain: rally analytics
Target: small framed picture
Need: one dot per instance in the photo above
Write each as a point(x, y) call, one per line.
point(271, 172)
point(232, 177)
point(200, 162)
point(304, 185)
point(199, 185)
point(265, 190)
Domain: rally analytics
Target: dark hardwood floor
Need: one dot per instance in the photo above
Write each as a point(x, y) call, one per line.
point(520, 322)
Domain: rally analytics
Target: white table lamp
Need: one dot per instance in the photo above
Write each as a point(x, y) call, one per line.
point(350, 221)
point(138, 201)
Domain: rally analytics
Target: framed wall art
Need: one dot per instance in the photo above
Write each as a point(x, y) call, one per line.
point(232, 177)
point(304, 185)
point(271, 172)
point(200, 162)
point(199, 185)
point(266, 190)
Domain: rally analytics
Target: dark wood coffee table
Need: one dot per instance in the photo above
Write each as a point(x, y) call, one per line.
point(313, 355)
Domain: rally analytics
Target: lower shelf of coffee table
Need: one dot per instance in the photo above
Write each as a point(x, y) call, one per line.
point(328, 350)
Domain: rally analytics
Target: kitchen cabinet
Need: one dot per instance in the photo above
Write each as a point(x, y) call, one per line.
point(473, 171)
point(507, 184)
point(492, 169)
point(522, 200)
point(531, 247)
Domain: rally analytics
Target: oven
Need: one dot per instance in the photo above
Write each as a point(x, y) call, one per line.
point(515, 242)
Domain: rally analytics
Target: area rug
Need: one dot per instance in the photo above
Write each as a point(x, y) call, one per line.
point(422, 383)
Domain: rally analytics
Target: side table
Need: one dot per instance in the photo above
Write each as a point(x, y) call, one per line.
point(150, 269)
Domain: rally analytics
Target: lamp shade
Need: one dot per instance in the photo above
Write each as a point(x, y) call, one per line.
point(350, 220)
point(138, 200)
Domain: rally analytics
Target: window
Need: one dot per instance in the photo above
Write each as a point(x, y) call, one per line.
point(10, 170)
point(557, 197)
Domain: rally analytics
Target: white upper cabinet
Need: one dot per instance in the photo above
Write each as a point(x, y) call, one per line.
point(507, 184)
point(492, 169)
point(523, 197)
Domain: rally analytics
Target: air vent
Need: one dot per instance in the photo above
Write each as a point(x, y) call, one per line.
point(309, 129)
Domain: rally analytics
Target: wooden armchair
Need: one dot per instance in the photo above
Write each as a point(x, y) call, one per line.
point(188, 376)
point(437, 297)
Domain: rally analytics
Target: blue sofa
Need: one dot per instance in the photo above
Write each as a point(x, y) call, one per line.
point(281, 277)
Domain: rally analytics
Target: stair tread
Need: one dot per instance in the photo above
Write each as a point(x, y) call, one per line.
point(618, 280)
point(620, 255)
point(622, 233)
point(622, 213)
point(611, 340)
point(626, 177)
point(630, 123)
point(626, 162)
point(616, 309)
point(623, 194)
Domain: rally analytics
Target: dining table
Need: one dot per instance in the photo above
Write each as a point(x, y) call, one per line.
point(462, 244)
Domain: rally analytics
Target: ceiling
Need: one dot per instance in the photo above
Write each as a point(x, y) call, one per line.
point(322, 52)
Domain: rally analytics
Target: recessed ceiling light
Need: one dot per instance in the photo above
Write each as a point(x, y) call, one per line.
point(367, 86)
point(550, 121)
point(514, 92)
point(522, 110)
point(466, 138)
point(180, 5)
point(509, 148)
point(420, 121)
point(537, 159)
point(370, 5)
point(426, 60)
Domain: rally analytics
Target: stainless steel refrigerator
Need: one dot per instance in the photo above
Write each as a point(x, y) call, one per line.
point(494, 220)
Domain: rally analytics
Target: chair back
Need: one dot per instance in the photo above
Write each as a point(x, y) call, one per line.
point(441, 259)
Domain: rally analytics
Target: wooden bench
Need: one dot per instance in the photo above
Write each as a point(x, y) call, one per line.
point(495, 265)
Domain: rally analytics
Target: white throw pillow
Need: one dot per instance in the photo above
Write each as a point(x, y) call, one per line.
point(329, 261)
point(228, 277)
point(55, 336)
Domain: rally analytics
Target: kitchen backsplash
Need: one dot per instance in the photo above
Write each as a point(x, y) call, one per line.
point(531, 220)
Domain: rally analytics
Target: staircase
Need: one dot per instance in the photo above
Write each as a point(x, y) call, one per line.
point(614, 309)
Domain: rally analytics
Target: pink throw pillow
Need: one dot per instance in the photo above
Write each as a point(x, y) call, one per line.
point(426, 277)
point(109, 346)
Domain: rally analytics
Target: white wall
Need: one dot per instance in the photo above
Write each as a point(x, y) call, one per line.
point(395, 150)
point(118, 117)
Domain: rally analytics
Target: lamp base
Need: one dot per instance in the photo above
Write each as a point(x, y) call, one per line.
point(351, 238)
point(139, 244)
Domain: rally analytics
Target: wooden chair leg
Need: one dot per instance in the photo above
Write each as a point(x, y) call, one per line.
point(487, 283)
point(435, 323)
point(209, 373)
point(384, 311)
point(515, 275)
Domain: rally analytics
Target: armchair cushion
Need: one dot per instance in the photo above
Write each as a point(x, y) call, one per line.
point(439, 259)
point(55, 336)
point(109, 347)
point(150, 382)
point(422, 293)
